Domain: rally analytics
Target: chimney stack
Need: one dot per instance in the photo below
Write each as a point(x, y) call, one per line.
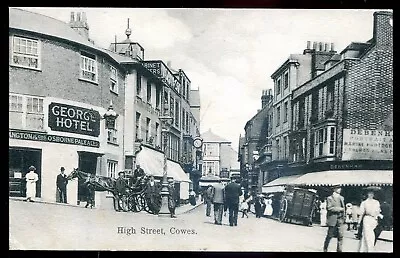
point(332, 47)
point(169, 64)
point(314, 46)
point(79, 23)
point(383, 28)
point(326, 47)
point(321, 46)
point(308, 44)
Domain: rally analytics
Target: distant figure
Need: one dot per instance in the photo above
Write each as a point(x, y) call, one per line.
point(258, 206)
point(335, 218)
point(323, 213)
point(171, 198)
point(370, 211)
point(218, 202)
point(31, 178)
point(355, 209)
point(62, 182)
point(192, 197)
point(232, 193)
point(120, 187)
point(208, 196)
point(268, 207)
point(349, 215)
point(244, 207)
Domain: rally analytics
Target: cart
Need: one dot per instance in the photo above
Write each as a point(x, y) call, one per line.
point(297, 204)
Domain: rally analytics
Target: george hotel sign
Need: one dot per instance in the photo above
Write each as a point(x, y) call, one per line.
point(72, 119)
point(359, 144)
point(159, 69)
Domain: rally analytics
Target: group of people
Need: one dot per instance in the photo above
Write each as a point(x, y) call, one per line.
point(367, 219)
point(223, 198)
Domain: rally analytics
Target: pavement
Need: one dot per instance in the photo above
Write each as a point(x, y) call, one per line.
point(39, 226)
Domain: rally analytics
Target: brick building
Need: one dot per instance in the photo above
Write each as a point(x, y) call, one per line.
point(342, 118)
point(57, 111)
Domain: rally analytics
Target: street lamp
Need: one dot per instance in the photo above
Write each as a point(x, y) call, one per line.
point(110, 116)
point(166, 122)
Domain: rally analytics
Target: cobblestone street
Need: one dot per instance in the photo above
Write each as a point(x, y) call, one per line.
point(40, 226)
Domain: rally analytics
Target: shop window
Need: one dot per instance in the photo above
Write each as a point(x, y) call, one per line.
point(26, 53)
point(113, 80)
point(88, 67)
point(112, 168)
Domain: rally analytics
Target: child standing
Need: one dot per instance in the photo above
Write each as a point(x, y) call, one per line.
point(244, 206)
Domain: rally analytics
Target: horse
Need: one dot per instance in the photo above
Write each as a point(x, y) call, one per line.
point(93, 183)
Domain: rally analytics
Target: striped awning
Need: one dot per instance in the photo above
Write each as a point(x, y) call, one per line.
point(278, 185)
point(346, 178)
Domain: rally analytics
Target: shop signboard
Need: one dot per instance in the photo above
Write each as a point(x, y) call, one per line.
point(360, 144)
point(159, 69)
point(73, 119)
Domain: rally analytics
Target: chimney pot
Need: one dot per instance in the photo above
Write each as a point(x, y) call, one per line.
point(83, 16)
point(321, 46)
point(314, 45)
point(332, 47)
point(308, 44)
point(326, 47)
point(72, 16)
point(78, 16)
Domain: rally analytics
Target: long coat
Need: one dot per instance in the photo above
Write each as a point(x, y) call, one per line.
point(334, 215)
point(62, 181)
point(219, 194)
point(232, 193)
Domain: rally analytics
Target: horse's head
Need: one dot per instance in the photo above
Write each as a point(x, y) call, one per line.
point(73, 174)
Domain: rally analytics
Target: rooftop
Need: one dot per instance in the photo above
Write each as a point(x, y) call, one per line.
point(209, 136)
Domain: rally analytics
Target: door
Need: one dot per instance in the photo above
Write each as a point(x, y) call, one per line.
point(87, 163)
point(19, 161)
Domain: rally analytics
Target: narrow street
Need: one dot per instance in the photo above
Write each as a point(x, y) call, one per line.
point(37, 226)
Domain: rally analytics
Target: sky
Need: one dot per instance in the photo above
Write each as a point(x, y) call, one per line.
point(228, 54)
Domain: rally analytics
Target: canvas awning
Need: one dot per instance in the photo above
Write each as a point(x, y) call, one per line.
point(278, 185)
point(346, 178)
point(152, 163)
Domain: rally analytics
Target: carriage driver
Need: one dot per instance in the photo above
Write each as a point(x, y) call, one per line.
point(120, 186)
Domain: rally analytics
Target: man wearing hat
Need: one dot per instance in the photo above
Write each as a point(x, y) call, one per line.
point(171, 197)
point(31, 179)
point(120, 187)
point(62, 182)
point(335, 218)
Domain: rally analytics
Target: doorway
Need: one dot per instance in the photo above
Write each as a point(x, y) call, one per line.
point(87, 163)
point(19, 161)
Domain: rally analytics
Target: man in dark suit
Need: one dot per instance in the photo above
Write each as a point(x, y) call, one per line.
point(232, 193)
point(120, 187)
point(218, 201)
point(335, 218)
point(62, 182)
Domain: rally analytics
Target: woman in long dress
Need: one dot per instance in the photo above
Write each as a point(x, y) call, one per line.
point(268, 207)
point(31, 179)
point(370, 211)
point(323, 213)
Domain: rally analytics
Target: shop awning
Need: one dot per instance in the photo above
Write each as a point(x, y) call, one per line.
point(152, 163)
point(346, 178)
point(278, 185)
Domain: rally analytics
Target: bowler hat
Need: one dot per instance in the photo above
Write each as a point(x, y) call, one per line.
point(62, 169)
point(121, 172)
point(32, 168)
point(336, 186)
point(372, 188)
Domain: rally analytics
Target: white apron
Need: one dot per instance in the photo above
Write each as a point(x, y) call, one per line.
point(31, 179)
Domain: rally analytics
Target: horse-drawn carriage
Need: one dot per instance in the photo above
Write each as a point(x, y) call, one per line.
point(297, 204)
point(136, 196)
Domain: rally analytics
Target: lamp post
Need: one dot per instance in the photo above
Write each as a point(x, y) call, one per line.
point(166, 122)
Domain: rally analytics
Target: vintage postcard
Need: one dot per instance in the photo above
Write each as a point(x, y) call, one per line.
point(206, 129)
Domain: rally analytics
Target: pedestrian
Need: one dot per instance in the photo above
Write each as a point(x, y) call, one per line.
point(323, 212)
point(208, 196)
point(218, 202)
point(192, 197)
point(120, 188)
point(335, 218)
point(232, 193)
point(385, 222)
point(137, 174)
point(349, 214)
point(355, 209)
point(244, 206)
point(268, 206)
point(258, 206)
point(61, 183)
point(370, 211)
point(171, 198)
point(31, 178)
point(152, 193)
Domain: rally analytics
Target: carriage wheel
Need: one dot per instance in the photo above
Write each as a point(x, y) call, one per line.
point(283, 210)
point(137, 204)
point(124, 203)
